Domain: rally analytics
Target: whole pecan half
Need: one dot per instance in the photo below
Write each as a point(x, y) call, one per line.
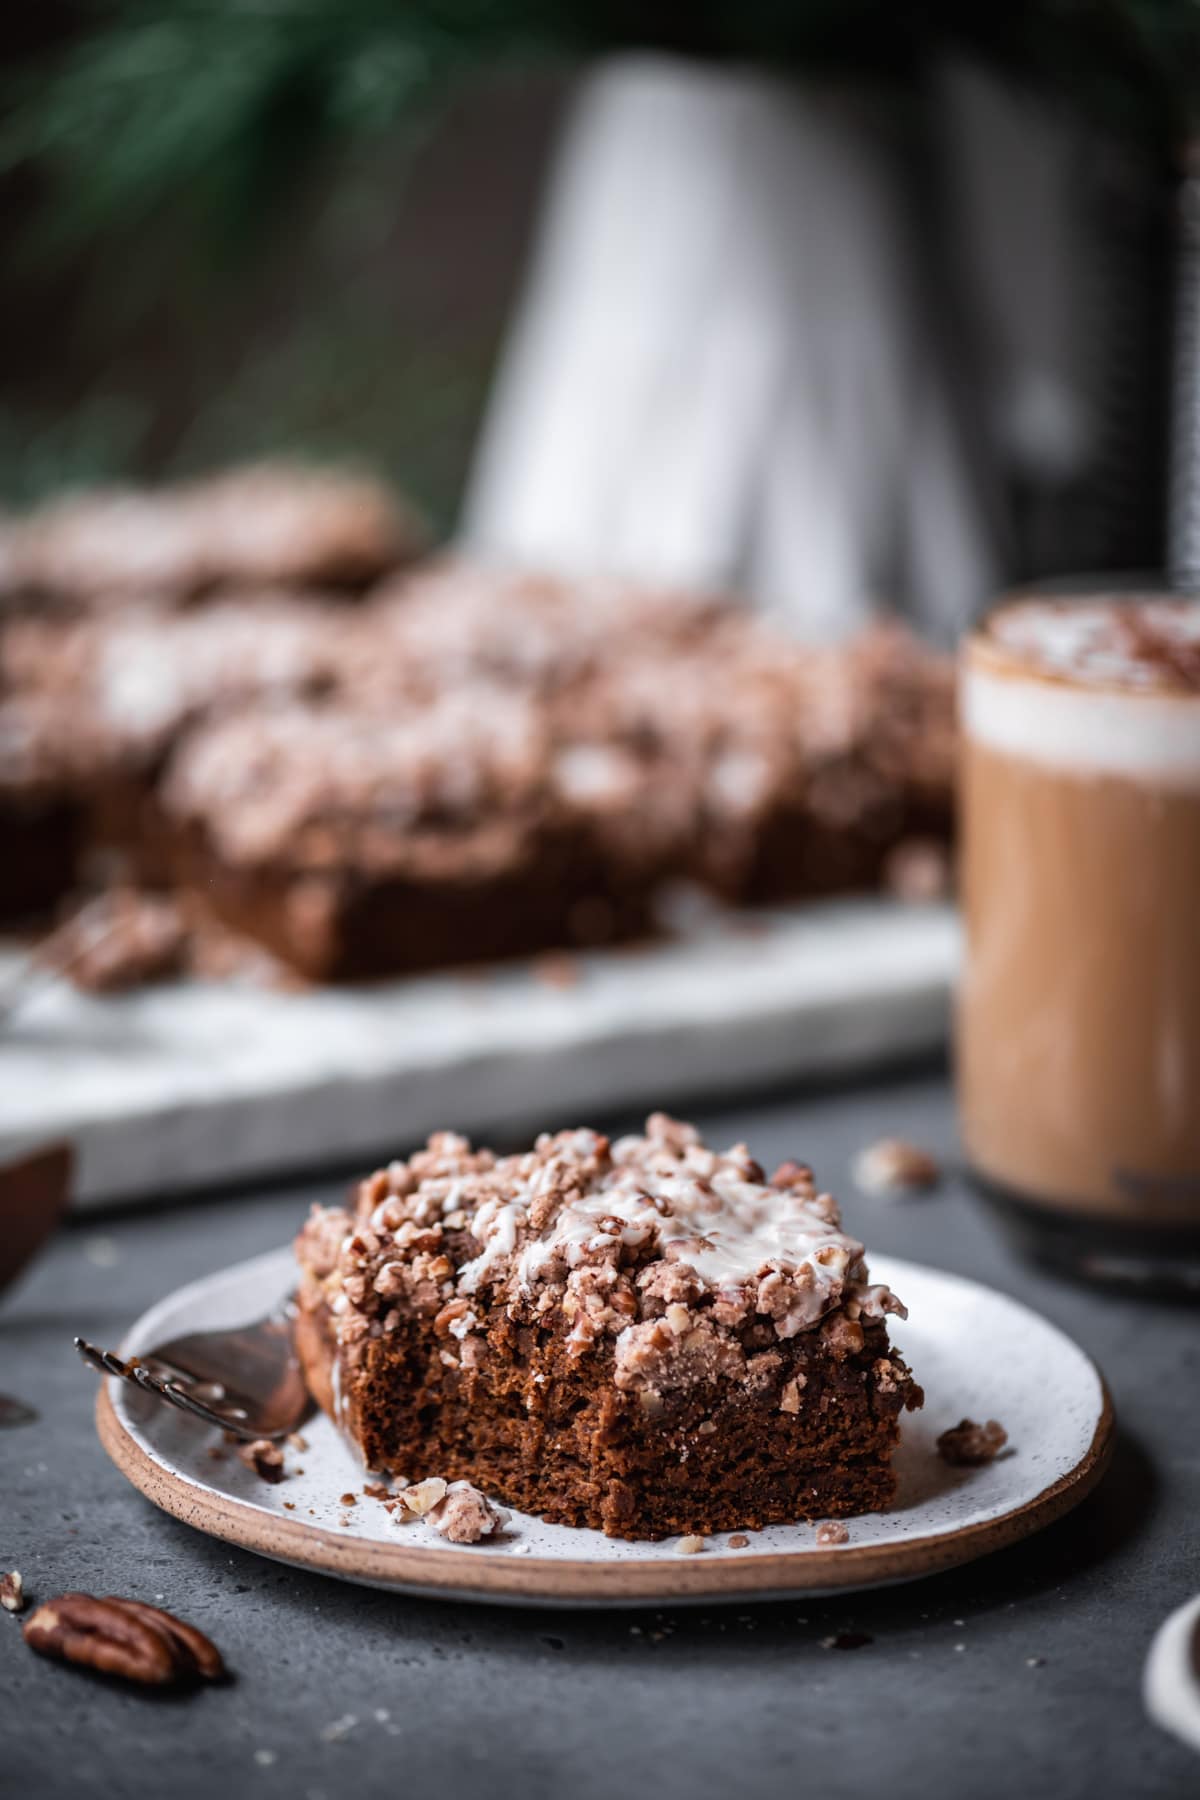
point(197, 1654)
point(122, 1637)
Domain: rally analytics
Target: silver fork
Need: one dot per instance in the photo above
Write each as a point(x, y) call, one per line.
point(246, 1381)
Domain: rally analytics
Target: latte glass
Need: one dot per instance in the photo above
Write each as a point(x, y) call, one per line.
point(1079, 1014)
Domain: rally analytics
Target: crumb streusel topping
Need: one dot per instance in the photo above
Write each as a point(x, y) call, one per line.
point(322, 783)
point(688, 1259)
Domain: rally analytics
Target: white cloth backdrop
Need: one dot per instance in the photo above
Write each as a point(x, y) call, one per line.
point(730, 364)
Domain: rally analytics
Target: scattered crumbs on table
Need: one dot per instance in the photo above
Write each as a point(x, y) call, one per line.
point(847, 1640)
point(893, 1166)
point(556, 969)
point(12, 1592)
point(102, 1252)
point(15, 1412)
point(264, 1758)
point(337, 1729)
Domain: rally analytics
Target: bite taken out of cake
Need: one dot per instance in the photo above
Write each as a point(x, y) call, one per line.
point(644, 1336)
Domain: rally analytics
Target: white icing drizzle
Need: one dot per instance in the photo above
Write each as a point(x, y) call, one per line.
point(703, 1210)
point(733, 1228)
point(495, 1226)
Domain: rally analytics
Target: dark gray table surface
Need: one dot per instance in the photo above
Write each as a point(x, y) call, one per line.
point(1016, 1676)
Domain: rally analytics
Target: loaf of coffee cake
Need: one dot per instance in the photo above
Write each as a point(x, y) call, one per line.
point(644, 1336)
point(139, 680)
point(45, 786)
point(262, 525)
point(468, 764)
point(353, 844)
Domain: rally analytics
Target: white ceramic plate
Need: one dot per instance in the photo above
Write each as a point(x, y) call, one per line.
point(977, 1353)
point(1171, 1683)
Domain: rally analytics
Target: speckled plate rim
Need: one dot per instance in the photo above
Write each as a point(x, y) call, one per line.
point(425, 1569)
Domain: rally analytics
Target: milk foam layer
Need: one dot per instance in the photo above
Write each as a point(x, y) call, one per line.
point(1151, 737)
point(1104, 687)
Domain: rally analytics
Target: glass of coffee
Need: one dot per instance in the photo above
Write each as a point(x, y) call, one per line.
point(1079, 1013)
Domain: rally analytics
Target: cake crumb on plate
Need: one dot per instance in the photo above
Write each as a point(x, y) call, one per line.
point(967, 1445)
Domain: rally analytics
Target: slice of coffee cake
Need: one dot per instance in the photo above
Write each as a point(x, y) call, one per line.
point(645, 1336)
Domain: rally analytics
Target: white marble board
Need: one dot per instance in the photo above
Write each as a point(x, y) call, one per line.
point(185, 1085)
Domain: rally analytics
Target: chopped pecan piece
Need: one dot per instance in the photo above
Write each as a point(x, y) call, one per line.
point(264, 1457)
point(423, 1496)
point(918, 870)
point(967, 1445)
point(12, 1591)
point(191, 1646)
point(892, 1166)
point(556, 970)
point(464, 1515)
point(792, 1174)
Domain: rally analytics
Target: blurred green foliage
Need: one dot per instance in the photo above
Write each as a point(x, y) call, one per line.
point(222, 101)
point(173, 147)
